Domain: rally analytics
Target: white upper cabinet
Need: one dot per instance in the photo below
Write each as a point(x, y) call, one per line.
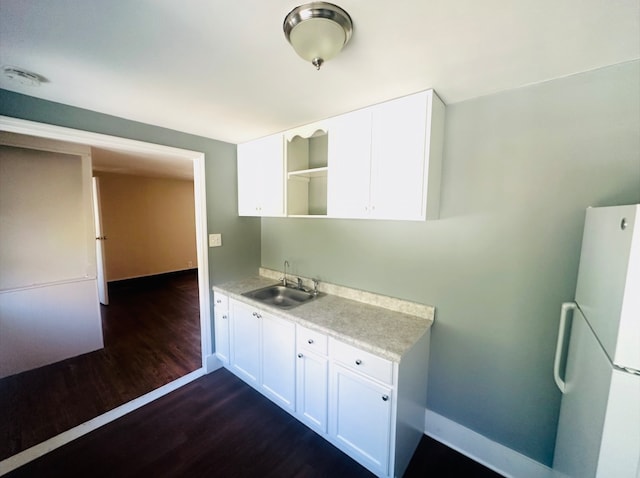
point(261, 177)
point(350, 159)
point(406, 157)
point(386, 160)
point(380, 162)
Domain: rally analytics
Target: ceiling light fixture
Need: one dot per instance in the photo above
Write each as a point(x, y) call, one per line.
point(318, 31)
point(21, 76)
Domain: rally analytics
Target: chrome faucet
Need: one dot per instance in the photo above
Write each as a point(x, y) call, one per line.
point(284, 277)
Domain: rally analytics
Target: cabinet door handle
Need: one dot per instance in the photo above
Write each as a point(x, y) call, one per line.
point(300, 355)
point(310, 341)
point(358, 362)
point(385, 398)
point(218, 301)
point(224, 316)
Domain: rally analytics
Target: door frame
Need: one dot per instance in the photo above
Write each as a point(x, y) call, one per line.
point(209, 362)
point(42, 130)
point(101, 274)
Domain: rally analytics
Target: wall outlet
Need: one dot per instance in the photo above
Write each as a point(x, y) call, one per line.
point(215, 240)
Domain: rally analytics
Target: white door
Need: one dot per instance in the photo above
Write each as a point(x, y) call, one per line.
point(101, 275)
point(361, 418)
point(221, 326)
point(609, 280)
point(245, 341)
point(278, 360)
point(349, 165)
point(582, 411)
point(261, 177)
point(398, 158)
point(620, 450)
point(311, 386)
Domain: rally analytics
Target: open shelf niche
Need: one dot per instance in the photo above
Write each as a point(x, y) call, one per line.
point(306, 175)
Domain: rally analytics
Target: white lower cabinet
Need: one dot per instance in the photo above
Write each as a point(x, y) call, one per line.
point(369, 407)
point(262, 352)
point(361, 418)
point(244, 335)
point(312, 379)
point(221, 326)
point(278, 374)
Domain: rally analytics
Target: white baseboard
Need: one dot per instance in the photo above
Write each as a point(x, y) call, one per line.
point(30, 454)
point(212, 363)
point(493, 455)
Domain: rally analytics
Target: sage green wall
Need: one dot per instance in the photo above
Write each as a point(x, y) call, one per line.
point(520, 168)
point(240, 254)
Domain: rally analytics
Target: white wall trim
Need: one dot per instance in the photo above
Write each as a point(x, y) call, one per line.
point(493, 455)
point(212, 363)
point(30, 454)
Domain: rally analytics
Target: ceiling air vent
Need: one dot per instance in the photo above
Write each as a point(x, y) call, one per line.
point(21, 76)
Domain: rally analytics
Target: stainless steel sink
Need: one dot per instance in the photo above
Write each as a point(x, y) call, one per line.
point(282, 297)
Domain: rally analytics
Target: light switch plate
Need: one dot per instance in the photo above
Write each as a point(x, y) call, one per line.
point(215, 240)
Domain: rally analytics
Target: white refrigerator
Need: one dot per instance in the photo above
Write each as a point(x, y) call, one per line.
point(597, 362)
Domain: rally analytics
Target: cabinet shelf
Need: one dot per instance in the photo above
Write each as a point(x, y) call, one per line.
point(308, 173)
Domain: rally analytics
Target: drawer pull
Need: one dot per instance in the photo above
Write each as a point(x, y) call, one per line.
point(218, 301)
point(310, 341)
point(300, 355)
point(224, 316)
point(358, 362)
point(385, 398)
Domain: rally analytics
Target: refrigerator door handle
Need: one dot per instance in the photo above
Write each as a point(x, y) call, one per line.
point(566, 307)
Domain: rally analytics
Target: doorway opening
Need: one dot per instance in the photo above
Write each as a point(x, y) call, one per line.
point(198, 280)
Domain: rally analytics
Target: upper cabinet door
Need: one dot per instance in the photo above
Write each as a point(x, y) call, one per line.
point(399, 133)
point(261, 177)
point(349, 165)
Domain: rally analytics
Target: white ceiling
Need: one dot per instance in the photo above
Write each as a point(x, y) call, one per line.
point(223, 69)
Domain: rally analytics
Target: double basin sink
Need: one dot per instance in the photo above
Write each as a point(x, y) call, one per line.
point(282, 296)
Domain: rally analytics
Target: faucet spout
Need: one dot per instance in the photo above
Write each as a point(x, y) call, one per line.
point(284, 276)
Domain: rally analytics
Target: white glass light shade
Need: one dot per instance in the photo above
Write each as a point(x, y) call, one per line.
point(317, 38)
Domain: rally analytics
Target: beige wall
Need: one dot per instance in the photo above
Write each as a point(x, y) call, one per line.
point(149, 224)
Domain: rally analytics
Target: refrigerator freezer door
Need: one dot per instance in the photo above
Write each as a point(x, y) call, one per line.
point(609, 281)
point(584, 403)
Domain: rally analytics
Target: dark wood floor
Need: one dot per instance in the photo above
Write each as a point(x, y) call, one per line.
point(152, 337)
point(219, 426)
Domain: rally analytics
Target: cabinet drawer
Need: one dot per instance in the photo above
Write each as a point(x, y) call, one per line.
point(361, 361)
point(220, 301)
point(311, 340)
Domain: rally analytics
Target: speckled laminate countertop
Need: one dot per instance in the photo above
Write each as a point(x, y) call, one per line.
point(381, 331)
